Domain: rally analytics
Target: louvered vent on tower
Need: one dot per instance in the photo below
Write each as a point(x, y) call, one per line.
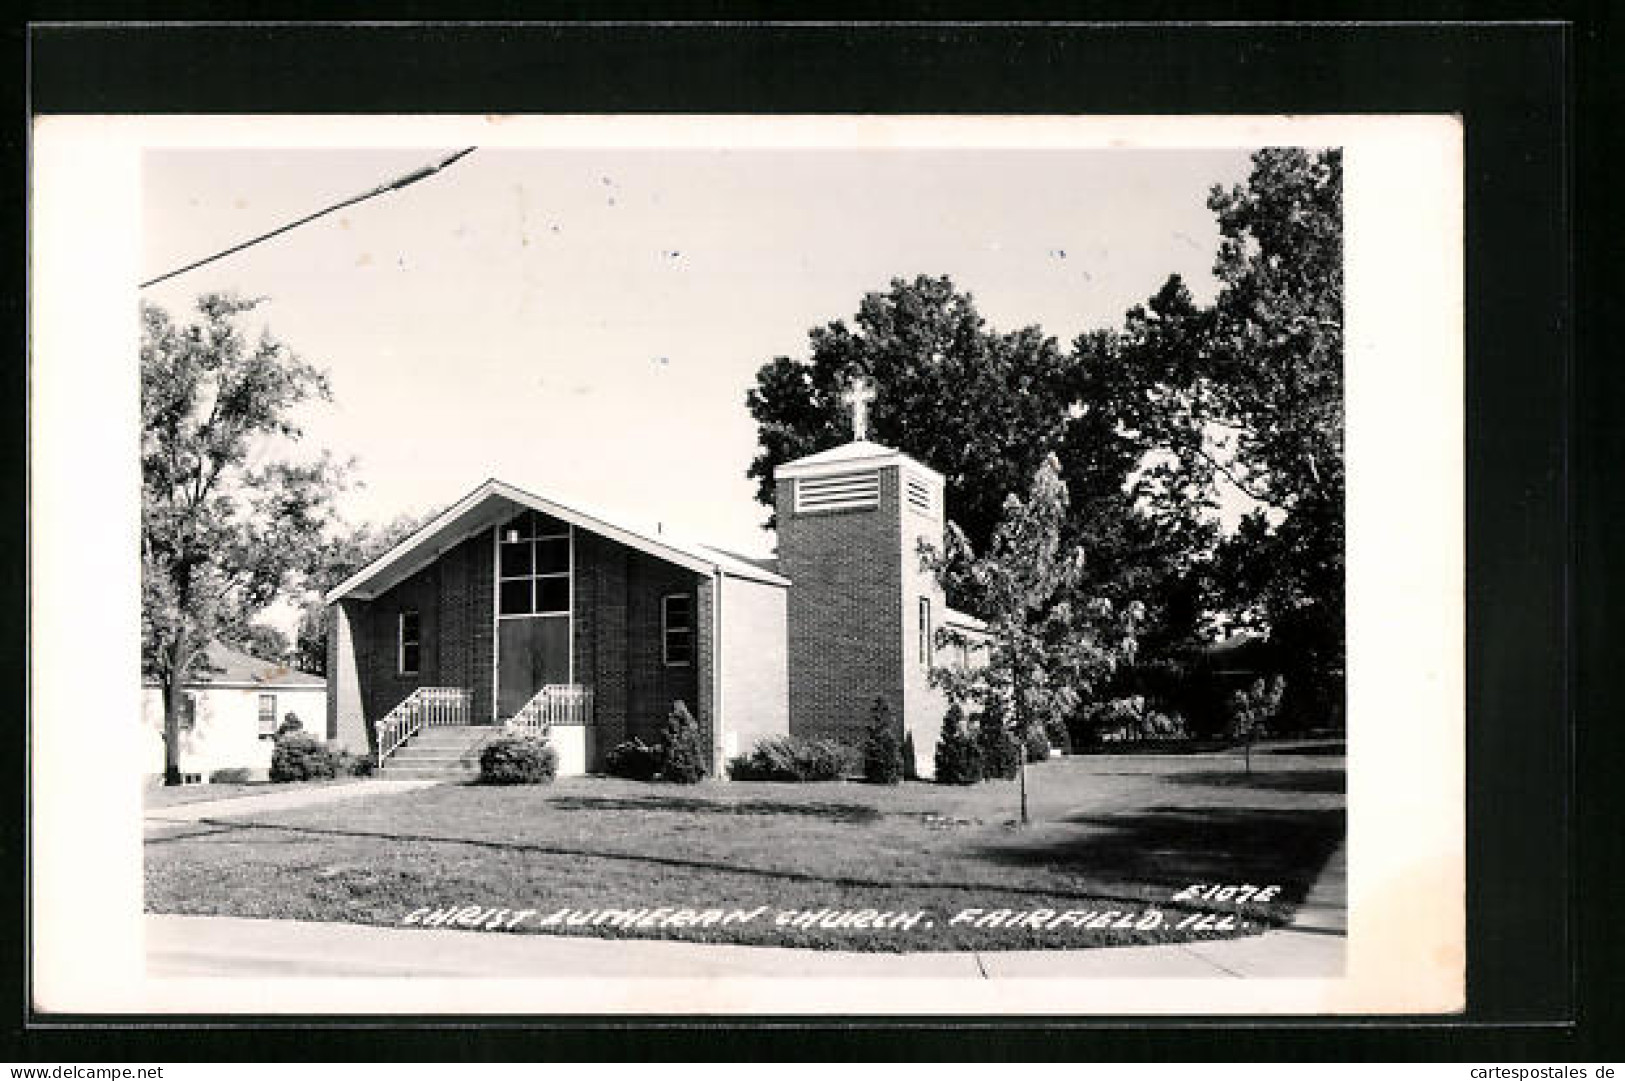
point(919, 495)
point(839, 491)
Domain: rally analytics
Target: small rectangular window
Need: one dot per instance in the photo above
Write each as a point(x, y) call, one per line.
point(553, 594)
point(553, 555)
point(677, 628)
point(516, 560)
point(188, 717)
point(515, 600)
point(925, 630)
point(267, 715)
point(410, 651)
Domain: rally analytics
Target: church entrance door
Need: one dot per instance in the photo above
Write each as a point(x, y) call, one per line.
point(532, 653)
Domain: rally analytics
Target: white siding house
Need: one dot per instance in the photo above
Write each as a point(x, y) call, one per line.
point(233, 707)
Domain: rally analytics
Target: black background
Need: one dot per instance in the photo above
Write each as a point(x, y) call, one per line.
point(1544, 840)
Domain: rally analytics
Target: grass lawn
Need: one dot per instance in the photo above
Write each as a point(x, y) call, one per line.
point(1119, 834)
point(160, 796)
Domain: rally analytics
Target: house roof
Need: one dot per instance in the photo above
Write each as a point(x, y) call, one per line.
point(222, 666)
point(495, 502)
point(963, 620)
point(859, 452)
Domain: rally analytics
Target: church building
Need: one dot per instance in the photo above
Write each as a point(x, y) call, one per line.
point(514, 607)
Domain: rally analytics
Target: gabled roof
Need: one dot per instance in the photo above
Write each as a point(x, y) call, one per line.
point(495, 502)
point(859, 452)
point(222, 666)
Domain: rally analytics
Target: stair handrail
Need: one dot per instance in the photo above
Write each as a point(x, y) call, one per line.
point(425, 706)
point(556, 703)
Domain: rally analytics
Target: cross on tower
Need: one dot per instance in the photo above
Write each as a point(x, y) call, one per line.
point(859, 397)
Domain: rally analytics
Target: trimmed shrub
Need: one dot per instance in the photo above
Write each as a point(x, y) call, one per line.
point(346, 764)
point(1001, 751)
point(299, 757)
point(290, 723)
point(633, 759)
point(683, 756)
point(911, 761)
point(518, 760)
point(882, 749)
point(791, 758)
point(235, 775)
point(959, 757)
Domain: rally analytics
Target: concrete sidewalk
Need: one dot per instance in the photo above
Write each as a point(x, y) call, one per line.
point(283, 800)
point(230, 946)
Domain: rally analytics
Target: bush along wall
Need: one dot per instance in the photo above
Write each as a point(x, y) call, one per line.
point(683, 760)
point(298, 757)
point(883, 747)
point(959, 757)
point(792, 758)
point(518, 760)
point(634, 760)
point(1001, 751)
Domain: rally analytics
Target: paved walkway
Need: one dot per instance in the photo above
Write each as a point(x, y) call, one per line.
point(230, 946)
point(283, 799)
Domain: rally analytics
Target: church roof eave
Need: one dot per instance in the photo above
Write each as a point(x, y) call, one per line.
point(495, 500)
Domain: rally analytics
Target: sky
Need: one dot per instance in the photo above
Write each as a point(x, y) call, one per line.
point(585, 323)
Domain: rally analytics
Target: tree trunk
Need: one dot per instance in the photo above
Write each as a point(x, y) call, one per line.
point(173, 703)
point(1021, 739)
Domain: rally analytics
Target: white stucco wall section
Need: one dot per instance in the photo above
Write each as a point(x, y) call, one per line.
point(754, 663)
point(226, 735)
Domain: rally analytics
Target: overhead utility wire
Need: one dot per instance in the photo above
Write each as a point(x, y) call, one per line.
point(394, 185)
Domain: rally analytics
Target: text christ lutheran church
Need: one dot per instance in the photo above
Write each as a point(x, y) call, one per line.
point(512, 604)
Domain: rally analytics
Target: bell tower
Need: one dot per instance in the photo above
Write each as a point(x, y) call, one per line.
point(862, 612)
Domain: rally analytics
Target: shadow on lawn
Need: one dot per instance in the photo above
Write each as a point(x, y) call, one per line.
point(1176, 847)
point(1057, 891)
point(1282, 780)
point(835, 812)
point(1336, 749)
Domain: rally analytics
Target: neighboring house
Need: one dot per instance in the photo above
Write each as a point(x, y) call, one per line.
point(230, 711)
point(513, 604)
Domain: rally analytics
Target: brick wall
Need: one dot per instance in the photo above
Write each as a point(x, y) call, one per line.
point(453, 599)
point(845, 608)
point(618, 640)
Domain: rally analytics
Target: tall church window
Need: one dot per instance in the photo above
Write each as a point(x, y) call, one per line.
point(534, 566)
point(925, 630)
point(677, 628)
point(409, 638)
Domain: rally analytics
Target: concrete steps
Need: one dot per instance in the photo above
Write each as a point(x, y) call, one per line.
point(446, 751)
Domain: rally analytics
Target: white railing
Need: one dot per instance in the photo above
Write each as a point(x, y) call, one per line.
point(555, 704)
point(426, 707)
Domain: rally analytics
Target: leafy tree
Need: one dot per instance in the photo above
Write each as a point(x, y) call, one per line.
point(226, 524)
point(982, 407)
point(985, 408)
point(1042, 651)
point(263, 641)
point(340, 557)
point(1248, 394)
point(1252, 710)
